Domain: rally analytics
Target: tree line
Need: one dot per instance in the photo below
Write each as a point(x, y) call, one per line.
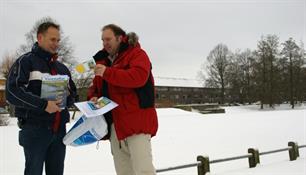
point(273, 73)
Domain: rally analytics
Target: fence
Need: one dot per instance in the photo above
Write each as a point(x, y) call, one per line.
point(203, 162)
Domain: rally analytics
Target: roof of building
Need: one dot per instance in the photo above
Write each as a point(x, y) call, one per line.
point(177, 82)
point(169, 82)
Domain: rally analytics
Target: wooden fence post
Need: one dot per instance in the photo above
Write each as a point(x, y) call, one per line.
point(293, 151)
point(203, 167)
point(254, 159)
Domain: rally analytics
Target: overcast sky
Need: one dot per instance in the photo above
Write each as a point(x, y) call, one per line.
point(177, 35)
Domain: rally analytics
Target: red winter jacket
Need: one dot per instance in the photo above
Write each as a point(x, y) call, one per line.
point(129, 71)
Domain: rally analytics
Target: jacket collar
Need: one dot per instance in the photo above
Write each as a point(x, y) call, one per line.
point(40, 52)
point(124, 45)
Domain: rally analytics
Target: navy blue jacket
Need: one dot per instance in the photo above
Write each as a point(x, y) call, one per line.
point(23, 86)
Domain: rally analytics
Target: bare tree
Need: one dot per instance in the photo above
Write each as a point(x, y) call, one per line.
point(290, 53)
point(301, 73)
point(267, 74)
point(272, 48)
point(240, 74)
point(247, 61)
point(267, 53)
point(65, 50)
point(218, 61)
point(83, 82)
point(6, 63)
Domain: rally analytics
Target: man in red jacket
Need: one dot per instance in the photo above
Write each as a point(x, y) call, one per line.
point(123, 73)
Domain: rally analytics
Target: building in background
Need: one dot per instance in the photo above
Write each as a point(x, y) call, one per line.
point(174, 91)
point(169, 92)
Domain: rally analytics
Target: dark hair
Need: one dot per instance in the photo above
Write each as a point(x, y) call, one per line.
point(43, 27)
point(116, 29)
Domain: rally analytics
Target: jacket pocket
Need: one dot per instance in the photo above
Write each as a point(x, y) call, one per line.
point(130, 102)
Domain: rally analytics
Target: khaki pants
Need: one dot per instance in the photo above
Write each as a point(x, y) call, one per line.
point(132, 156)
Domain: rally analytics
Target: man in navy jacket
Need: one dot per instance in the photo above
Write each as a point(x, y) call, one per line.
point(42, 122)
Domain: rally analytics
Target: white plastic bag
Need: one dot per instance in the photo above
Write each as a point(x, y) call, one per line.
point(86, 131)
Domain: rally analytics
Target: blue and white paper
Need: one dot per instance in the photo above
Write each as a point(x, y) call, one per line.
point(91, 109)
point(86, 131)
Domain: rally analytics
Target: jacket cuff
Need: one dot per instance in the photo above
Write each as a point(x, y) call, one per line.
point(106, 73)
point(44, 104)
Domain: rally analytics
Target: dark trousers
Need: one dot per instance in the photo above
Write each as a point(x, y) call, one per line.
point(41, 146)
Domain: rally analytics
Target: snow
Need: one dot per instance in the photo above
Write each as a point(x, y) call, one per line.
point(183, 135)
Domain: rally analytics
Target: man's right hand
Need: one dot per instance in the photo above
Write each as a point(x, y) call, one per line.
point(100, 69)
point(94, 99)
point(53, 106)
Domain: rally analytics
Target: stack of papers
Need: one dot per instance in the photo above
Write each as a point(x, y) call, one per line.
point(91, 109)
point(91, 127)
point(55, 87)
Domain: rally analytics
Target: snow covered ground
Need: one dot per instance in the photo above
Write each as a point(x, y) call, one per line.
point(182, 136)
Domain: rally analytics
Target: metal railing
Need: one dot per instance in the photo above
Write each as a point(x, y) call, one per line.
point(203, 162)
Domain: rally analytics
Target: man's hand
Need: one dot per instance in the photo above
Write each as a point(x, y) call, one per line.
point(99, 70)
point(94, 99)
point(53, 106)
